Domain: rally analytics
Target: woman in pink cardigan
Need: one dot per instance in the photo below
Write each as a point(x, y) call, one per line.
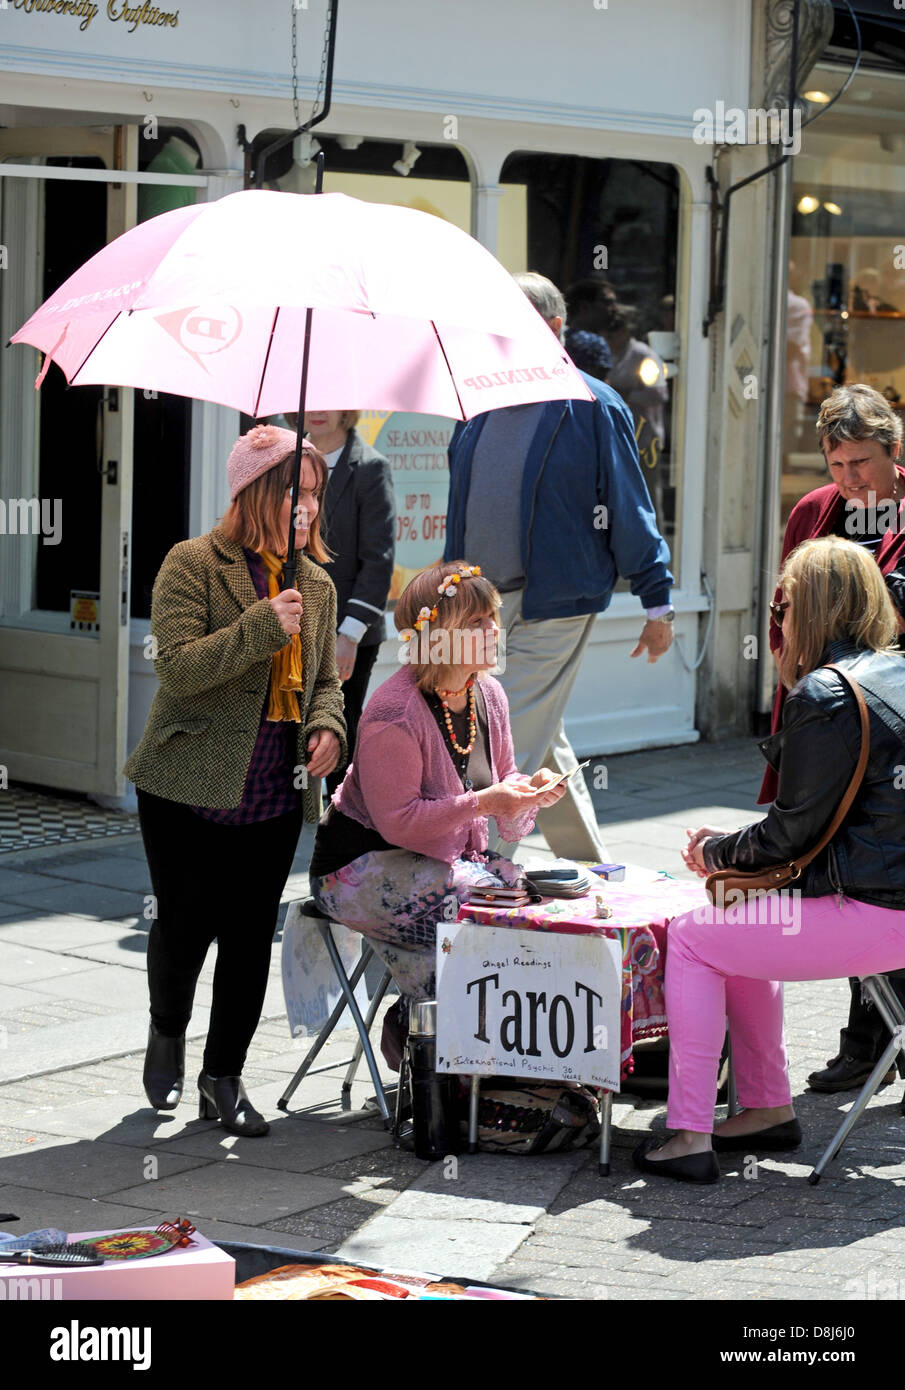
point(406, 834)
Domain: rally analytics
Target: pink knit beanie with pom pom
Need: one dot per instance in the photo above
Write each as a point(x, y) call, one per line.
point(254, 453)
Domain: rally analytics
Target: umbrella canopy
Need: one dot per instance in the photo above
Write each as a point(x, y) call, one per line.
point(209, 301)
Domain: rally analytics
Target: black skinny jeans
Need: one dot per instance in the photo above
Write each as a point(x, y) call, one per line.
point(213, 881)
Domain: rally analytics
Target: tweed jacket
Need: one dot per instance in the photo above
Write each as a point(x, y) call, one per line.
point(358, 524)
point(213, 642)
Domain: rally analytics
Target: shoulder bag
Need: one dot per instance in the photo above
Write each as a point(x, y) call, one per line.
point(723, 882)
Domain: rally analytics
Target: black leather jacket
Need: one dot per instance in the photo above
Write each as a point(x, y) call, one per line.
point(815, 753)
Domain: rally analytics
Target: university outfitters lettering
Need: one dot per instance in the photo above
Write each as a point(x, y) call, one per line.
point(130, 15)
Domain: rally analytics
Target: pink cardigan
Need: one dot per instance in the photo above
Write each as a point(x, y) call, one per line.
point(403, 784)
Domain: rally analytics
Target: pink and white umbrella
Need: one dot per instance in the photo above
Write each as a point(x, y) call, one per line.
point(273, 301)
point(210, 301)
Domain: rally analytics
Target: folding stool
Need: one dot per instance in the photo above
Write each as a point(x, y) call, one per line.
point(347, 984)
point(885, 1001)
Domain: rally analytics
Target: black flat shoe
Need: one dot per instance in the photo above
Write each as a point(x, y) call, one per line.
point(692, 1168)
point(844, 1073)
point(776, 1139)
point(223, 1098)
point(164, 1072)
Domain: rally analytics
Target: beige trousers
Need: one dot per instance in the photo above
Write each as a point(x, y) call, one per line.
point(541, 663)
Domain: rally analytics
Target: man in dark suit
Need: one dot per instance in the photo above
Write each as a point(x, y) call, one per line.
point(358, 524)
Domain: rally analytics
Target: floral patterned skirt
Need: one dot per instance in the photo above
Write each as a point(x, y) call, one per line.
point(396, 898)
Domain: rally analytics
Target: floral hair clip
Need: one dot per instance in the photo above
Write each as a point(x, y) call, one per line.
point(446, 590)
point(447, 586)
point(426, 615)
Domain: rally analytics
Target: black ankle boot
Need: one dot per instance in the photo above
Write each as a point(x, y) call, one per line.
point(164, 1071)
point(224, 1098)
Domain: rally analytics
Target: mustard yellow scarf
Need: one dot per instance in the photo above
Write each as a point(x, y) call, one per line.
point(286, 664)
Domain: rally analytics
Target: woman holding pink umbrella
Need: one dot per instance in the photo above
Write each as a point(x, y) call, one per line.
point(247, 720)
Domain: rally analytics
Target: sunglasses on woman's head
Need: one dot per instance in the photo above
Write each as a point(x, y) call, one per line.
point(778, 611)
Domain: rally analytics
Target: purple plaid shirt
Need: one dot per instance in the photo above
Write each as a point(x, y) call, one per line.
point(269, 789)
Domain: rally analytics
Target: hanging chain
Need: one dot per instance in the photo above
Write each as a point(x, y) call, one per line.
point(294, 6)
point(295, 65)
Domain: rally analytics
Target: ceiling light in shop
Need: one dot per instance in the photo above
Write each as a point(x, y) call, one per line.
point(649, 371)
point(834, 208)
point(821, 98)
point(807, 203)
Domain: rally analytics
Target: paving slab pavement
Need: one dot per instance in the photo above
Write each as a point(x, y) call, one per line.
point(80, 1148)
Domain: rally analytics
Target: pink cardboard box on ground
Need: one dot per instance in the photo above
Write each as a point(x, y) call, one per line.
point(196, 1271)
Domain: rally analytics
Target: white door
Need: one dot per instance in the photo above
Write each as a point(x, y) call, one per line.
point(65, 484)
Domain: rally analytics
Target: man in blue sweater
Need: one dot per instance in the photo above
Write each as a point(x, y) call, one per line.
point(550, 501)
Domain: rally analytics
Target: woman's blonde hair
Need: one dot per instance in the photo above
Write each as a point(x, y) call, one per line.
point(474, 598)
point(836, 592)
point(253, 517)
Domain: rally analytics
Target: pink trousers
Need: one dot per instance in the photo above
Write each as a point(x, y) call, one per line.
point(726, 963)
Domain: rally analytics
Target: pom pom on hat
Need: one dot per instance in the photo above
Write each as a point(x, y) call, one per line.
point(254, 453)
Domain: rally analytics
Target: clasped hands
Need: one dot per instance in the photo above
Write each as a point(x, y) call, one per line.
point(693, 853)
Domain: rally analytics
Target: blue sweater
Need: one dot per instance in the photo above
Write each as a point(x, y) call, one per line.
point(585, 515)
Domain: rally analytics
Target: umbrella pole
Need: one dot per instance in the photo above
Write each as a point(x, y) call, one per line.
point(288, 580)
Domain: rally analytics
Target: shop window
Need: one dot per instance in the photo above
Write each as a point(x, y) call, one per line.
point(845, 319)
point(161, 448)
point(75, 228)
point(606, 232)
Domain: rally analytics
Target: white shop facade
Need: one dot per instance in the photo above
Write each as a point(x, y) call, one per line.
point(572, 166)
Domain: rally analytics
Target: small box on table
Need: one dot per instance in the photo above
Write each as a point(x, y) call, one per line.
point(614, 873)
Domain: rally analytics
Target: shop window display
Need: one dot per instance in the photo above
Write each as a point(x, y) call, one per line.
point(845, 318)
point(606, 232)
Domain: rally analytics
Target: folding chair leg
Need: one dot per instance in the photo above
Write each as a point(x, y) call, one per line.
point(474, 1096)
point(885, 1001)
point(400, 1096)
point(326, 1030)
point(871, 1085)
point(369, 1019)
point(347, 989)
point(606, 1123)
point(731, 1091)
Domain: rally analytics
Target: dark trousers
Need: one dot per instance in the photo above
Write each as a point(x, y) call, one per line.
point(866, 1035)
point(213, 881)
point(354, 691)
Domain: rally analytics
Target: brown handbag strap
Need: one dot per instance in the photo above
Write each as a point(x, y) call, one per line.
point(857, 775)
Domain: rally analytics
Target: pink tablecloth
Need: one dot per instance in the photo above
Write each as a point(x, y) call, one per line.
point(643, 906)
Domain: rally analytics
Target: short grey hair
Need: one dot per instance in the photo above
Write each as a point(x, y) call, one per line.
point(858, 412)
point(546, 298)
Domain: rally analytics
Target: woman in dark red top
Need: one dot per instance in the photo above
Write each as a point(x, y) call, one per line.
point(860, 436)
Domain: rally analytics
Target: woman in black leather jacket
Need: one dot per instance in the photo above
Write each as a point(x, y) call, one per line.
point(846, 915)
